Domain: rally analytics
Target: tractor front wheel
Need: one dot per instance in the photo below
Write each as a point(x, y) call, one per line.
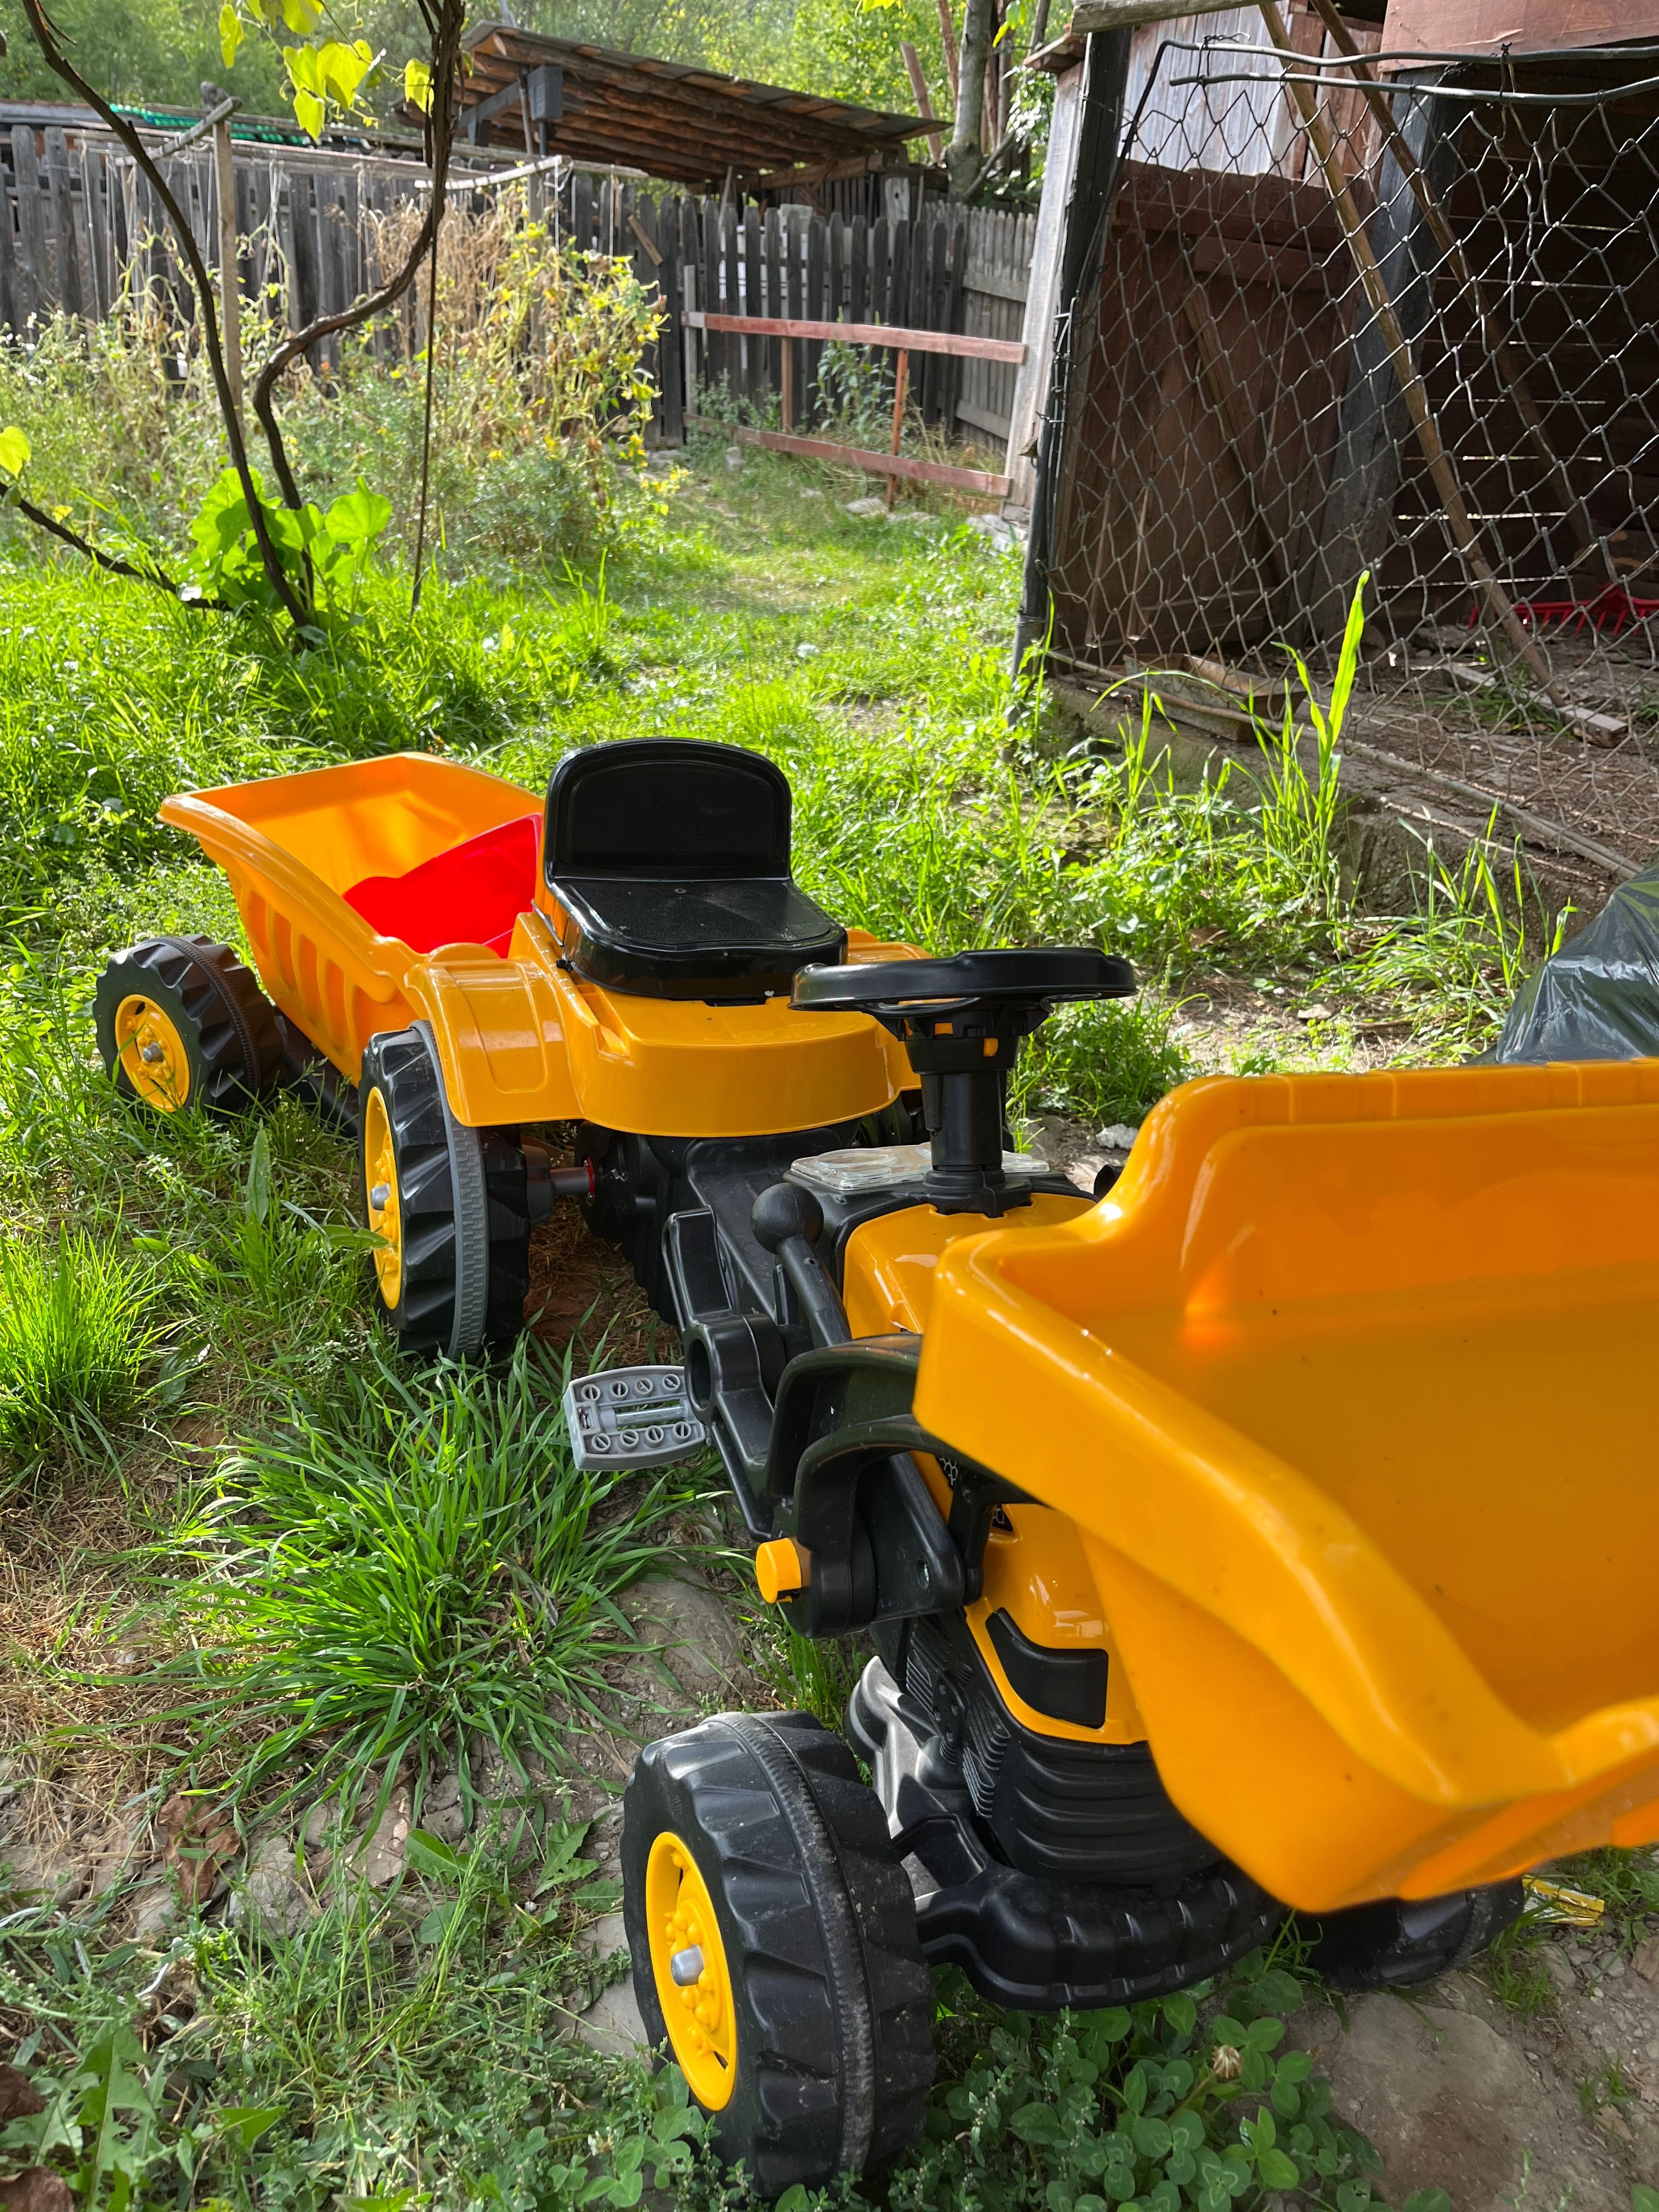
point(181, 1022)
point(773, 1933)
point(447, 1203)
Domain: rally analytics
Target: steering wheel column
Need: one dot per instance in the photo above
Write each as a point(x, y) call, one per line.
point(962, 1021)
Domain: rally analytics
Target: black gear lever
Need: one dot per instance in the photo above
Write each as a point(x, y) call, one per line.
point(962, 1021)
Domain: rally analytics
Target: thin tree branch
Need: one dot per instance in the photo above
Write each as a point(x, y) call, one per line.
point(112, 563)
point(46, 37)
point(444, 25)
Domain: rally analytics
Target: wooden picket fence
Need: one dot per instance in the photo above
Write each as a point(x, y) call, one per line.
point(80, 231)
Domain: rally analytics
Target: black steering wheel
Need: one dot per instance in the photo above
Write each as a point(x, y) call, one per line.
point(961, 1020)
point(892, 990)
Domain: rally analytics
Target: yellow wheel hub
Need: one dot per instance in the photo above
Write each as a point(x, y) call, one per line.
point(385, 1214)
point(693, 1986)
point(152, 1053)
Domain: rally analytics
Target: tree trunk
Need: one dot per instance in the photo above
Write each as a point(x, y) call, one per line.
point(964, 160)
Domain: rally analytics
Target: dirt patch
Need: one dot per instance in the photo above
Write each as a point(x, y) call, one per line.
point(1458, 2092)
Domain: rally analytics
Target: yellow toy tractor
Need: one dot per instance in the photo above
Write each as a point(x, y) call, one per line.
point(1274, 1529)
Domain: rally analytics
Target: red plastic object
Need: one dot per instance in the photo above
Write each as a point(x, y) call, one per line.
point(1611, 610)
point(471, 894)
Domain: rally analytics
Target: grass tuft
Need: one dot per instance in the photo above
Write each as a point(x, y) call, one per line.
point(415, 1566)
point(76, 1336)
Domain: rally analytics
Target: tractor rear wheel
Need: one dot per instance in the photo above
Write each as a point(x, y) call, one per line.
point(773, 1933)
point(181, 1022)
point(1402, 1941)
point(447, 1202)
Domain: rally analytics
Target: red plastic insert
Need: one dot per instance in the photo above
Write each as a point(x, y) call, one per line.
point(471, 894)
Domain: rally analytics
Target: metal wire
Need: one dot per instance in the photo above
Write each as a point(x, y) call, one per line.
point(1237, 450)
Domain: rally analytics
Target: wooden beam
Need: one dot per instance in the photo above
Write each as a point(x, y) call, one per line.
point(874, 464)
point(1124, 14)
point(1441, 26)
point(880, 334)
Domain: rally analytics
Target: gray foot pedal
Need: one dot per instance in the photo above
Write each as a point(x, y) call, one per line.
point(631, 1417)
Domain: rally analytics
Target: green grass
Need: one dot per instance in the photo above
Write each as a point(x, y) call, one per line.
point(77, 1335)
point(412, 1569)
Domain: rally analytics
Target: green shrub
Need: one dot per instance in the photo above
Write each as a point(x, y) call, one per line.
point(76, 1336)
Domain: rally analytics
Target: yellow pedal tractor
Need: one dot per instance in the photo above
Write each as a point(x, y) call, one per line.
point(1275, 1529)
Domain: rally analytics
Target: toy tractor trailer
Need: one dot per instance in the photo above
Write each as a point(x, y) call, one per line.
point(1195, 1526)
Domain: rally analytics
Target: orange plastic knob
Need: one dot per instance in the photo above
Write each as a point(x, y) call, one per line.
point(780, 1567)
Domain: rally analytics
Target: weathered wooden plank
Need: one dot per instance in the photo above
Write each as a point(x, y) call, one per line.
point(11, 318)
point(892, 335)
point(35, 288)
point(772, 254)
point(881, 464)
point(691, 277)
point(816, 252)
point(671, 351)
point(731, 260)
point(716, 350)
point(96, 231)
point(754, 299)
point(66, 245)
point(794, 270)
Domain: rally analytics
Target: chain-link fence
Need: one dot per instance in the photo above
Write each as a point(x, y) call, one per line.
point(1408, 330)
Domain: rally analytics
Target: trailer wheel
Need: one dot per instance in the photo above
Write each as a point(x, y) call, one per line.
point(1400, 1942)
point(774, 1940)
point(447, 1202)
point(181, 1022)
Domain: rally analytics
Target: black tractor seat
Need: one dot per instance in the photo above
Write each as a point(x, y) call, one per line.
point(671, 859)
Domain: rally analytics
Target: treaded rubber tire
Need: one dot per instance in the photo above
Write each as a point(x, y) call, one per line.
point(832, 1997)
point(1400, 1942)
point(462, 1202)
point(227, 1024)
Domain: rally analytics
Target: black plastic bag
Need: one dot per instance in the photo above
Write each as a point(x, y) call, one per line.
point(1597, 997)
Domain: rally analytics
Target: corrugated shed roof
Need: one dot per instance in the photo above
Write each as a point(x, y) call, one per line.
point(671, 118)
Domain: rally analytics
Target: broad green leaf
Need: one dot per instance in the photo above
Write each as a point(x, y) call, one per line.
point(428, 1853)
point(301, 15)
point(417, 91)
point(1643, 2199)
point(1260, 2133)
point(1036, 2123)
point(1153, 2137)
point(1277, 1992)
point(1179, 2010)
point(1279, 2172)
point(1264, 2034)
point(356, 519)
point(247, 2122)
point(343, 68)
point(13, 451)
point(230, 34)
point(310, 113)
point(1436, 2200)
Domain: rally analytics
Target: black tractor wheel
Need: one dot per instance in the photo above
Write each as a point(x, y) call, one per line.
point(774, 1940)
point(181, 1022)
point(448, 1203)
point(1400, 1942)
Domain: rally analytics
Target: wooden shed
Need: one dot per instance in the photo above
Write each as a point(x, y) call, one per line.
point(1218, 441)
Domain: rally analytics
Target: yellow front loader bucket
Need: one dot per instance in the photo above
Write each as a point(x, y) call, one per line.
point(1350, 1387)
